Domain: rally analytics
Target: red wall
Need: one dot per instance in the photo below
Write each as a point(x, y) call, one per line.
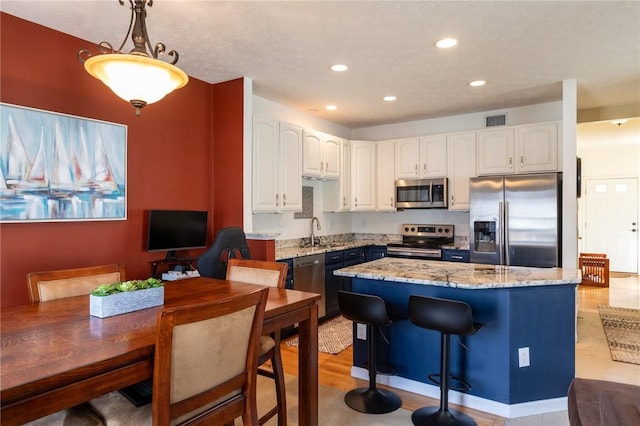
point(170, 153)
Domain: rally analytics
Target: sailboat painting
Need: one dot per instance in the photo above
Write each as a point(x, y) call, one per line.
point(57, 167)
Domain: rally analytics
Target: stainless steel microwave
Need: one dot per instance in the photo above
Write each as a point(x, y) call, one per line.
point(421, 193)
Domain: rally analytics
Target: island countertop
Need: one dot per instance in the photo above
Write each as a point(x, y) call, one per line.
point(459, 275)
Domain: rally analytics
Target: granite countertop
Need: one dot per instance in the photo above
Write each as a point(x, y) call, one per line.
point(290, 252)
point(459, 275)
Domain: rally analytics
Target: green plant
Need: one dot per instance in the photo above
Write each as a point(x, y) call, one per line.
point(125, 286)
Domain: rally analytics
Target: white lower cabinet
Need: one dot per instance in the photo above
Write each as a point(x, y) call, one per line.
point(461, 153)
point(363, 176)
point(277, 166)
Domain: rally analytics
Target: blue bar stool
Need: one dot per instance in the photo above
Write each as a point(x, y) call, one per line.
point(448, 317)
point(372, 311)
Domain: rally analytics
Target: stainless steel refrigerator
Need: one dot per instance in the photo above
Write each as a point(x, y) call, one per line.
point(516, 220)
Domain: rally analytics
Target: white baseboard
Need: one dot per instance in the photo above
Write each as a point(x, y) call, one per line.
point(466, 400)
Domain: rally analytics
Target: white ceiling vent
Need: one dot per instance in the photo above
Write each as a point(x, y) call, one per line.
point(496, 120)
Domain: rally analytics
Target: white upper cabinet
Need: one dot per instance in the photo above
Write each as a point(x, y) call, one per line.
point(363, 176)
point(407, 153)
point(495, 151)
point(277, 166)
point(291, 167)
point(418, 158)
point(320, 155)
point(433, 156)
point(337, 194)
point(461, 153)
point(385, 172)
point(521, 149)
point(537, 147)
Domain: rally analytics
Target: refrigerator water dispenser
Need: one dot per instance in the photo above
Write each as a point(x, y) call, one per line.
point(484, 236)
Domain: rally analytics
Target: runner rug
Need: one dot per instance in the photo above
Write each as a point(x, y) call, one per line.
point(334, 336)
point(622, 327)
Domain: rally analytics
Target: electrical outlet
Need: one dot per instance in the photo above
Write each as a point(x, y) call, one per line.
point(361, 331)
point(523, 357)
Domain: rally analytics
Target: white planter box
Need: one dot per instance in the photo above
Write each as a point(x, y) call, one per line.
point(121, 303)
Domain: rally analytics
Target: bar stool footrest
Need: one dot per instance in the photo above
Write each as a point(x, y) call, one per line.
point(461, 385)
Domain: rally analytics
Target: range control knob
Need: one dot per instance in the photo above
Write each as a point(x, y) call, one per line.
point(406, 229)
point(413, 229)
point(439, 230)
point(446, 230)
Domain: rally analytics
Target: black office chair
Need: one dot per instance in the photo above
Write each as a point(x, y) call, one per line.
point(372, 311)
point(448, 317)
point(228, 243)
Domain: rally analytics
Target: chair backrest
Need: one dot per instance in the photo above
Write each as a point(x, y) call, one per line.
point(262, 272)
point(205, 363)
point(228, 244)
point(363, 308)
point(443, 315)
point(50, 285)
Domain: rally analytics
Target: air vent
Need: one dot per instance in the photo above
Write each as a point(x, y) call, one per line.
point(496, 120)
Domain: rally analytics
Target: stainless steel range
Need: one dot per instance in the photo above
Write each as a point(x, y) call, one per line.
point(421, 241)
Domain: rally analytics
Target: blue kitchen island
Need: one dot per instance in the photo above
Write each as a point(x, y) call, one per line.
point(520, 307)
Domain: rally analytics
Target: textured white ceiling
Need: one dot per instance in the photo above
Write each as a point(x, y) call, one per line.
point(522, 49)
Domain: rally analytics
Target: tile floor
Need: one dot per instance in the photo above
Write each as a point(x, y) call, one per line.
point(593, 359)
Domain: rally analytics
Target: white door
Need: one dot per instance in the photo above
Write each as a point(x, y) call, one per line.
point(611, 223)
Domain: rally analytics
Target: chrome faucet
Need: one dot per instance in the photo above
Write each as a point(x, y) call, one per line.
point(314, 219)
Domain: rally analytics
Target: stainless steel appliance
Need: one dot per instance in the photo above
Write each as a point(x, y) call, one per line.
point(421, 193)
point(516, 220)
point(308, 275)
point(421, 241)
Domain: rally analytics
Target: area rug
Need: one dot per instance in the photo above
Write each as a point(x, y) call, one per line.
point(334, 336)
point(622, 327)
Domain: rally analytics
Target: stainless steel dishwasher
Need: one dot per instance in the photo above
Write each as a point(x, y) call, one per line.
point(308, 275)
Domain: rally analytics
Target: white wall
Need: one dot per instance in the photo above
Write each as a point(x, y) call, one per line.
point(551, 111)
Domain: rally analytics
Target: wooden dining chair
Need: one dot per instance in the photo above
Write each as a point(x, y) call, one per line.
point(51, 285)
point(206, 360)
point(272, 274)
point(62, 283)
point(205, 366)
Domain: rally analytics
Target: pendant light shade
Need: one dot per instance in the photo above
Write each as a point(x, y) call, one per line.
point(137, 77)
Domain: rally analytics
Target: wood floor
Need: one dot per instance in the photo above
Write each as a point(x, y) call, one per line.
point(335, 370)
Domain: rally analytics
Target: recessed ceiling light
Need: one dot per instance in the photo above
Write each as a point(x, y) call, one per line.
point(390, 98)
point(477, 83)
point(331, 107)
point(339, 67)
point(446, 43)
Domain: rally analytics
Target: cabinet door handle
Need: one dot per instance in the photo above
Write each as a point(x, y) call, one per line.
point(452, 201)
point(521, 161)
point(326, 166)
point(416, 168)
point(510, 162)
point(424, 167)
point(284, 200)
point(321, 166)
point(356, 201)
point(391, 201)
point(277, 201)
point(344, 201)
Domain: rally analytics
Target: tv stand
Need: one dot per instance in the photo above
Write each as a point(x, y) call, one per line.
point(185, 262)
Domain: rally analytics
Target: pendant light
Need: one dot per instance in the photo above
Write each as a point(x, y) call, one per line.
point(138, 77)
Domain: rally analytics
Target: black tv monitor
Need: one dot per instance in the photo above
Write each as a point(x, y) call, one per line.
point(173, 230)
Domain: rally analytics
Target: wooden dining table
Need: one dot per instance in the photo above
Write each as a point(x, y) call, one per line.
point(54, 355)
